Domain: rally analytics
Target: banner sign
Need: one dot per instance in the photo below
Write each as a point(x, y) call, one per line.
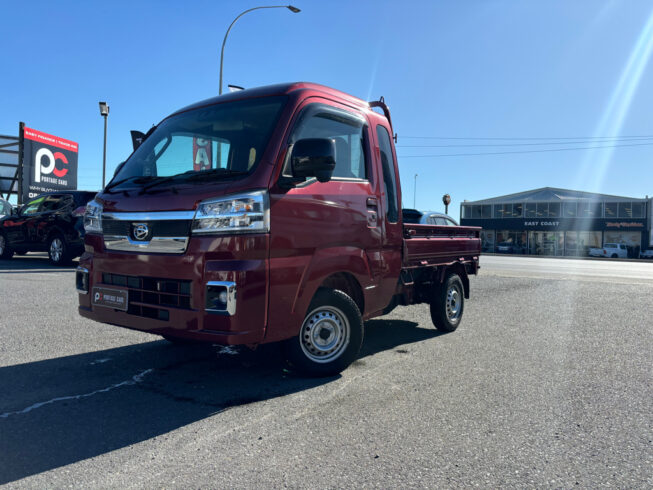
point(202, 154)
point(49, 163)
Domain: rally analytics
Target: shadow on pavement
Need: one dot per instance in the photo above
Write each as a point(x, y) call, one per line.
point(60, 411)
point(33, 262)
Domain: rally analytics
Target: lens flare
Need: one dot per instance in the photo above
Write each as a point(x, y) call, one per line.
point(596, 162)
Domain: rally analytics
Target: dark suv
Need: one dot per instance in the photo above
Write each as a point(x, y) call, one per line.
point(52, 222)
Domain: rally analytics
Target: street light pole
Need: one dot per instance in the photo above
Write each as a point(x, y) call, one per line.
point(415, 192)
point(294, 10)
point(104, 112)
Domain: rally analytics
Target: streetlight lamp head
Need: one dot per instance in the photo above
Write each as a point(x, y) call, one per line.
point(104, 109)
point(294, 10)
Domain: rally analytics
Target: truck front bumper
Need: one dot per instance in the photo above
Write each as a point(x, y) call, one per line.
point(215, 292)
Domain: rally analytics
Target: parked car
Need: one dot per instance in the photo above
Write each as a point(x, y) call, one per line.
point(646, 254)
point(427, 217)
point(612, 250)
point(51, 222)
point(507, 248)
point(298, 238)
point(5, 208)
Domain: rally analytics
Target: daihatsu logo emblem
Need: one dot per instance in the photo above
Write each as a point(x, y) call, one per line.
point(140, 231)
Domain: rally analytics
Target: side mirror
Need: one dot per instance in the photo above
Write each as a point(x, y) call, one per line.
point(314, 157)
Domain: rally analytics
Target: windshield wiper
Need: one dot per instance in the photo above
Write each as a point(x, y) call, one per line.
point(191, 175)
point(121, 181)
point(163, 180)
point(219, 172)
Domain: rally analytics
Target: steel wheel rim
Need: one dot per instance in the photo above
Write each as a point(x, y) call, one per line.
point(56, 249)
point(324, 336)
point(2, 245)
point(454, 304)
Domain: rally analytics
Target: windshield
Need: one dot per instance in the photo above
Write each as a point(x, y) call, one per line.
point(220, 140)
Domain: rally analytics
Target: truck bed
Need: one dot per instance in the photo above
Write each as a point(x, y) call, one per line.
point(431, 245)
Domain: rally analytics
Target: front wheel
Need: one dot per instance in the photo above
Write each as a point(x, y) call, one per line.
point(58, 250)
point(447, 304)
point(330, 337)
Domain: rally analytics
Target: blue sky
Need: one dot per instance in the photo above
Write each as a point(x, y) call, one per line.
point(448, 69)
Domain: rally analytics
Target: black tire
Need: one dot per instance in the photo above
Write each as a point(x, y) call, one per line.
point(447, 304)
point(613, 256)
point(58, 250)
point(329, 350)
point(6, 251)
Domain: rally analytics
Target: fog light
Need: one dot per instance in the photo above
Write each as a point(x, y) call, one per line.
point(221, 297)
point(81, 280)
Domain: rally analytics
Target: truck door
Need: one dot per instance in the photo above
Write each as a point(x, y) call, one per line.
point(390, 212)
point(46, 219)
point(321, 228)
point(22, 227)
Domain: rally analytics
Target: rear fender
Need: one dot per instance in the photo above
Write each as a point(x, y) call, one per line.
point(458, 269)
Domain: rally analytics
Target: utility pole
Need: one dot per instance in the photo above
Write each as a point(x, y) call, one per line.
point(415, 192)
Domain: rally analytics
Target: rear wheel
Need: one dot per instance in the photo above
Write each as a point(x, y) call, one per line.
point(330, 337)
point(447, 304)
point(614, 256)
point(5, 250)
point(58, 250)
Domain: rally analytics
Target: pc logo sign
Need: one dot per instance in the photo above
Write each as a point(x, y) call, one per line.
point(49, 167)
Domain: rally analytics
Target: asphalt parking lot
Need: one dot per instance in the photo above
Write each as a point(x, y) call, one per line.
point(547, 383)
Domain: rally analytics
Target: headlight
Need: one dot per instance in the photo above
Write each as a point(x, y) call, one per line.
point(93, 217)
point(248, 212)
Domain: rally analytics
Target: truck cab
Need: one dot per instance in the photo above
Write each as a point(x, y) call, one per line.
point(265, 215)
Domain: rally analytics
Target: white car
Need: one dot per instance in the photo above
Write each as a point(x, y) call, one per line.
point(646, 254)
point(612, 250)
point(5, 208)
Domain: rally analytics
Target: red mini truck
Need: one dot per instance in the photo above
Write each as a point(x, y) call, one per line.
point(266, 215)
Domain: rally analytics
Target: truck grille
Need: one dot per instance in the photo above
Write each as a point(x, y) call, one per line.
point(164, 228)
point(148, 294)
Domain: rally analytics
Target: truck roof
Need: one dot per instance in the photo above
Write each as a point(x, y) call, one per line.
point(278, 89)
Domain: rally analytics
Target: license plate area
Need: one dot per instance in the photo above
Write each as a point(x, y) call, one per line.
point(117, 299)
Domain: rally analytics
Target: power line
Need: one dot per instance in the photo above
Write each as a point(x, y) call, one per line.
point(520, 138)
point(474, 145)
point(545, 150)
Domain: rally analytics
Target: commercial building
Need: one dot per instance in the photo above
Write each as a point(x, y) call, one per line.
point(550, 221)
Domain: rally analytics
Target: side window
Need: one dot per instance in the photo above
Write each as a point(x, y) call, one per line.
point(319, 121)
point(389, 179)
point(32, 207)
point(51, 203)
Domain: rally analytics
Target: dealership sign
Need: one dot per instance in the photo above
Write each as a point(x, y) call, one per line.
point(558, 224)
point(49, 163)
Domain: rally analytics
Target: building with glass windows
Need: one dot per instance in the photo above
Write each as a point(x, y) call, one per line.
point(550, 221)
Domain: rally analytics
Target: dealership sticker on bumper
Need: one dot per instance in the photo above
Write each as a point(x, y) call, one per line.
point(110, 298)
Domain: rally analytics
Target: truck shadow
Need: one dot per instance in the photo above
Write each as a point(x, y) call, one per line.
point(60, 411)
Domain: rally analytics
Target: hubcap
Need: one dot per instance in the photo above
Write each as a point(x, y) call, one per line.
point(453, 304)
point(325, 334)
point(56, 249)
